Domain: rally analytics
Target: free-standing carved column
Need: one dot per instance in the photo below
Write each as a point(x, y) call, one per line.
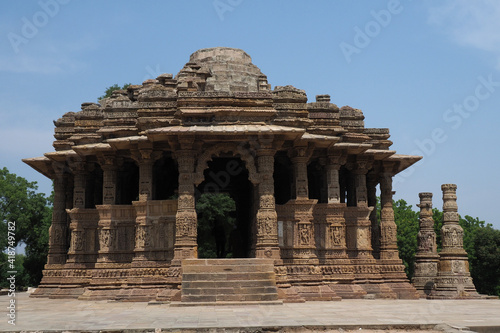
point(267, 245)
point(357, 218)
point(186, 218)
point(453, 279)
point(59, 227)
point(332, 178)
point(427, 258)
point(388, 228)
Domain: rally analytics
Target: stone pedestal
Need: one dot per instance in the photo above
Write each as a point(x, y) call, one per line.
point(453, 278)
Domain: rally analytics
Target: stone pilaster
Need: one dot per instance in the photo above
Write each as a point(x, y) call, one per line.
point(267, 245)
point(388, 228)
point(59, 227)
point(427, 258)
point(453, 280)
point(186, 219)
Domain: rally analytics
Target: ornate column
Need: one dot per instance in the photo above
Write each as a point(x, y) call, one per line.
point(186, 219)
point(109, 171)
point(79, 187)
point(146, 162)
point(59, 228)
point(371, 185)
point(388, 228)
point(304, 245)
point(357, 218)
point(453, 280)
point(427, 258)
point(334, 224)
point(143, 229)
point(267, 245)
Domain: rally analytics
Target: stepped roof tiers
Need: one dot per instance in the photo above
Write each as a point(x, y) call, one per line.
point(128, 172)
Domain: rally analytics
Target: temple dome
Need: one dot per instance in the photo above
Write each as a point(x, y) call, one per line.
point(226, 69)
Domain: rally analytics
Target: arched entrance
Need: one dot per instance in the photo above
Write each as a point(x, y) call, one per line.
point(225, 183)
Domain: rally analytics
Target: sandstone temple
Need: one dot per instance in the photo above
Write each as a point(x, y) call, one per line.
point(304, 176)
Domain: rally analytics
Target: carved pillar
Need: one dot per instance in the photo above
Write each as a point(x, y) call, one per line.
point(79, 187)
point(146, 175)
point(59, 228)
point(331, 229)
point(332, 178)
point(427, 258)
point(109, 178)
point(357, 218)
point(453, 279)
point(267, 245)
point(304, 245)
point(371, 185)
point(388, 228)
point(186, 218)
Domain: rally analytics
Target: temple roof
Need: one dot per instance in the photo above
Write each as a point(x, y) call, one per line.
point(220, 93)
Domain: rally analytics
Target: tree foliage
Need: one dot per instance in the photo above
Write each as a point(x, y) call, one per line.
point(211, 208)
point(109, 90)
point(407, 222)
point(485, 264)
point(31, 212)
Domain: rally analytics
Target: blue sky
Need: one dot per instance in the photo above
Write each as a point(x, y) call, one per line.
point(427, 70)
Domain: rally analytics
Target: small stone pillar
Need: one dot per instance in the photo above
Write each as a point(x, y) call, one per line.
point(59, 228)
point(427, 258)
point(186, 219)
point(267, 245)
point(453, 280)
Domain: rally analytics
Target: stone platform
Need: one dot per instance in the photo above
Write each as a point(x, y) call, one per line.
point(57, 315)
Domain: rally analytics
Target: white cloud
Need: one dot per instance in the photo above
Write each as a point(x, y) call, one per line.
point(470, 23)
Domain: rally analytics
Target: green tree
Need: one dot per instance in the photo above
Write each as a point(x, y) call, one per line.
point(109, 90)
point(213, 207)
point(31, 212)
point(407, 222)
point(485, 265)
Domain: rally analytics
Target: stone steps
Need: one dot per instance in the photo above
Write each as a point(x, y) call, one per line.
point(228, 281)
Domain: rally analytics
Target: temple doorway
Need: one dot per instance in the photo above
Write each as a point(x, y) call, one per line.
point(225, 210)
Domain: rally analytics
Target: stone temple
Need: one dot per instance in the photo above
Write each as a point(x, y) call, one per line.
point(129, 171)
